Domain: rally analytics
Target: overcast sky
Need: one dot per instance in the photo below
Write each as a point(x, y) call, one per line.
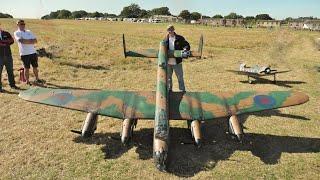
point(278, 9)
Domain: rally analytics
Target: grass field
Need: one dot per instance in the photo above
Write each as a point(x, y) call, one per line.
point(36, 142)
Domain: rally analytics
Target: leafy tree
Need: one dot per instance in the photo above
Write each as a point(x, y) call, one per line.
point(79, 14)
point(160, 11)
point(185, 14)
point(218, 16)
point(249, 18)
point(263, 17)
point(132, 11)
point(307, 18)
point(195, 16)
point(110, 15)
point(205, 17)
point(64, 14)
point(233, 16)
point(4, 15)
point(54, 15)
point(45, 17)
point(144, 14)
point(96, 14)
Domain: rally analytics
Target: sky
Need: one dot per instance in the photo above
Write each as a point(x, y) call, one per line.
point(278, 9)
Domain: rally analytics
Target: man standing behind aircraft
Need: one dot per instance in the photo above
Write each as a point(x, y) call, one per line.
point(175, 42)
point(6, 57)
point(26, 41)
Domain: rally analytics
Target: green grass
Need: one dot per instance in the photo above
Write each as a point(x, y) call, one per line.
point(35, 141)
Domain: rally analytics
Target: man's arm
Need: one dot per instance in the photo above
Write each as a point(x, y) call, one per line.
point(28, 41)
point(186, 44)
point(19, 38)
point(8, 41)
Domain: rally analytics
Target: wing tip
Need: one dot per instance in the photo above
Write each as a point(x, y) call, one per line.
point(300, 97)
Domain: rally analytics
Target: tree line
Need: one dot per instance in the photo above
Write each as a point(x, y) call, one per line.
point(4, 15)
point(134, 11)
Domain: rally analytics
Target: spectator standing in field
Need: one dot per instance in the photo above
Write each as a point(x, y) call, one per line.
point(175, 42)
point(6, 41)
point(26, 40)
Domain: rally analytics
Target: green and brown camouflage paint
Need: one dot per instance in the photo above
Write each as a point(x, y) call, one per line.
point(161, 120)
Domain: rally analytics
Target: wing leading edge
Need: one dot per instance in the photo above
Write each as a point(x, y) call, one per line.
point(182, 106)
point(208, 106)
point(117, 104)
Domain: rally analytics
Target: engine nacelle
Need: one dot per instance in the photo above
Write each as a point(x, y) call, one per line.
point(235, 128)
point(127, 130)
point(196, 132)
point(89, 125)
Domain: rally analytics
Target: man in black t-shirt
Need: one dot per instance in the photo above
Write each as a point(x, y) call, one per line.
point(6, 58)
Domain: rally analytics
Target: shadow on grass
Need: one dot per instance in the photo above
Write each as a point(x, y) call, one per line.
point(274, 112)
point(9, 92)
point(259, 80)
point(54, 86)
point(84, 66)
point(187, 161)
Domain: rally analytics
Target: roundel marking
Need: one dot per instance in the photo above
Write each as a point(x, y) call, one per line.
point(264, 101)
point(62, 98)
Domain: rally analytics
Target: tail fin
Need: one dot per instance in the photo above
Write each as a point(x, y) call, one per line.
point(149, 53)
point(124, 46)
point(200, 48)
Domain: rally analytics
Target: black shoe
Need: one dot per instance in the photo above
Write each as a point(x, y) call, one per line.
point(15, 87)
point(39, 81)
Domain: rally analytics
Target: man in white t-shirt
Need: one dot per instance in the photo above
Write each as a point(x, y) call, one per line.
point(175, 42)
point(26, 40)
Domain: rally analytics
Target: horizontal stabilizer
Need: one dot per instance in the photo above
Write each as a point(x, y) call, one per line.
point(153, 53)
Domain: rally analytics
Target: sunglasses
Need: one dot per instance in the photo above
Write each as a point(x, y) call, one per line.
point(22, 24)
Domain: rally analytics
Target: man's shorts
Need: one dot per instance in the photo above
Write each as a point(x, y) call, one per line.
point(30, 59)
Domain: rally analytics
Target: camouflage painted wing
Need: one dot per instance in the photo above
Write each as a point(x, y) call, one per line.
point(182, 106)
point(208, 106)
point(118, 104)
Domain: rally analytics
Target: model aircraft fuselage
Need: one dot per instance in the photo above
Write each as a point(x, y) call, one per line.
point(255, 69)
point(256, 72)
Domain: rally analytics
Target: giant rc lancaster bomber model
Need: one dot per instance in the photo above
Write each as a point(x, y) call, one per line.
point(163, 105)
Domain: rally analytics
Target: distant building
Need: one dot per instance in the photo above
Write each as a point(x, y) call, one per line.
point(130, 19)
point(313, 25)
point(269, 23)
point(295, 24)
point(234, 22)
point(114, 19)
point(165, 18)
point(222, 22)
